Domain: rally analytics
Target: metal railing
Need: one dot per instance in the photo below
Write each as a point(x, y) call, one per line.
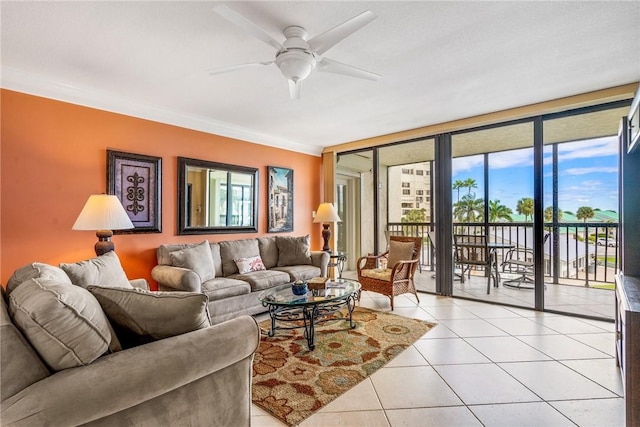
point(579, 253)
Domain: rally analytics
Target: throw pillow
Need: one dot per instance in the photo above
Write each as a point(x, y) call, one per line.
point(197, 258)
point(246, 265)
point(293, 250)
point(35, 270)
point(64, 323)
point(104, 270)
point(399, 251)
point(140, 316)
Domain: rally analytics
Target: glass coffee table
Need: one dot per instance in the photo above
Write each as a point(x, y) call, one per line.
point(314, 307)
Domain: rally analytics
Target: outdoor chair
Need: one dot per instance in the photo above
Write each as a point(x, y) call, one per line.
point(403, 257)
point(473, 251)
point(519, 261)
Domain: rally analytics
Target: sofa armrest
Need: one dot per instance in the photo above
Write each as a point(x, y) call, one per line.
point(321, 260)
point(178, 278)
point(140, 284)
point(120, 381)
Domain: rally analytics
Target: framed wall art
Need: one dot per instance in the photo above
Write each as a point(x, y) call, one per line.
point(137, 181)
point(280, 200)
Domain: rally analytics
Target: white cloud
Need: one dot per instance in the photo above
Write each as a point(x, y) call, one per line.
point(512, 158)
point(584, 171)
point(460, 164)
point(599, 147)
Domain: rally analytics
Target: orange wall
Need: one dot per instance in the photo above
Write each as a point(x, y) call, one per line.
point(54, 157)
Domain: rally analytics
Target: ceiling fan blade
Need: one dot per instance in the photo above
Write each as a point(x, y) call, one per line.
point(294, 89)
point(242, 22)
point(327, 40)
point(231, 68)
point(330, 66)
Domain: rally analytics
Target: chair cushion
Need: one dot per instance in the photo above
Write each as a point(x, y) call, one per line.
point(104, 270)
point(140, 316)
point(399, 251)
point(260, 280)
point(35, 270)
point(197, 258)
point(234, 249)
point(225, 287)
point(293, 250)
point(377, 273)
point(63, 323)
point(248, 264)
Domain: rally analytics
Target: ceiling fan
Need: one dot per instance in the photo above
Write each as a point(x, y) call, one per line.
point(297, 57)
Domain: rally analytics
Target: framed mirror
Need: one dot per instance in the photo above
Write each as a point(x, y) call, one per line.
point(216, 197)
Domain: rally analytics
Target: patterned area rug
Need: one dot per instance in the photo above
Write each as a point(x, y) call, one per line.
point(291, 383)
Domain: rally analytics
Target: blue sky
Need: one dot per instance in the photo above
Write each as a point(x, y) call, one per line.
point(587, 175)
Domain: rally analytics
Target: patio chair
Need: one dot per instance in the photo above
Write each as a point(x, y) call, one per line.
point(520, 261)
point(403, 257)
point(473, 251)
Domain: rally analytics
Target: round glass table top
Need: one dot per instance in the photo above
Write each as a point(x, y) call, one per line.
point(333, 290)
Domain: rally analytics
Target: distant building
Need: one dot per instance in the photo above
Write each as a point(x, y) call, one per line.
point(409, 188)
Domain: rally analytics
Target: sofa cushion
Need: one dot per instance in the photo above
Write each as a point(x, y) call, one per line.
point(248, 264)
point(399, 251)
point(197, 258)
point(104, 270)
point(140, 316)
point(35, 270)
point(234, 249)
point(164, 254)
point(224, 287)
point(260, 280)
point(268, 251)
point(300, 272)
point(293, 250)
point(63, 323)
point(21, 365)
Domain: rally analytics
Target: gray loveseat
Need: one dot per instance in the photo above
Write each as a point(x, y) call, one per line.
point(62, 364)
point(213, 269)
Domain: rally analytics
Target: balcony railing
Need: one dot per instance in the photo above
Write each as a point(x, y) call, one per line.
point(583, 253)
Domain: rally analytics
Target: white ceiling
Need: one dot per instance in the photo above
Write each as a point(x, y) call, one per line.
point(440, 61)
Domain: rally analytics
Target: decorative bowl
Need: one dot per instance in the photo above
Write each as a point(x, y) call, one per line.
point(299, 287)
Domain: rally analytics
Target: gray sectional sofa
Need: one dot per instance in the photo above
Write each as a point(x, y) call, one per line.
point(213, 269)
point(62, 364)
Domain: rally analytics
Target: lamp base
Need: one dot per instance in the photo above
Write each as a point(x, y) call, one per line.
point(104, 243)
point(326, 235)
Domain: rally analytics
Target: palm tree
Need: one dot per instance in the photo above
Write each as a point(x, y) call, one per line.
point(457, 186)
point(498, 211)
point(548, 214)
point(469, 209)
point(525, 207)
point(584, 213)
point(469, 183)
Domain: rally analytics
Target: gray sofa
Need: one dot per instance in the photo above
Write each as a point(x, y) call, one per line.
point(62, 364)
point(212, 268)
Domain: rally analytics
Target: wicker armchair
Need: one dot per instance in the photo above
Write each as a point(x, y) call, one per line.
point(402, 263)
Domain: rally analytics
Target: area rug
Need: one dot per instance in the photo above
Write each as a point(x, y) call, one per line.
point(291, 382)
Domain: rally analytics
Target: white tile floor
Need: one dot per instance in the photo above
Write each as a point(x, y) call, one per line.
point(484, 365)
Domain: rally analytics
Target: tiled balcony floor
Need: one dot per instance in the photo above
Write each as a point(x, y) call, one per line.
point(485, 364)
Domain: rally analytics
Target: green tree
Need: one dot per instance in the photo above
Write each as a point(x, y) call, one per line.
point(525, 207)
point(548, 214)
point(457, 186)
point(469, 209)
point(469, 183)
point(415, 215)
point(584, 213)
point(498, 211)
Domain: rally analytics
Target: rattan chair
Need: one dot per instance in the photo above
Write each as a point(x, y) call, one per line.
point(397, 278)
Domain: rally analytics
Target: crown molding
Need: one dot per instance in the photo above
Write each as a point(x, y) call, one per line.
point(38, 85)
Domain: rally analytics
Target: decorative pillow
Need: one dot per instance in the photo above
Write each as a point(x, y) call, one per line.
point(64, 323)
point(36, 270)
point(246, 265)
point(399, 251)
point(293, 250)
point(197, 258)
point(140, 316)
point(104, 270)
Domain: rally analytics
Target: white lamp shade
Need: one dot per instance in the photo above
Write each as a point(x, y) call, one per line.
point(326, 213)
point(102, 212)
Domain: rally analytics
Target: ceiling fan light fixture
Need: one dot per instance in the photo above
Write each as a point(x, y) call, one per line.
point(296, 65)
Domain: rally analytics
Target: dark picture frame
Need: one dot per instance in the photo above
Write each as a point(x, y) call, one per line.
point(280, 199)
point(136, 180)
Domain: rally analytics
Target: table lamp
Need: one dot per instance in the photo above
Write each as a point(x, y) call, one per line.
point(325, 214)
point(103, 213)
